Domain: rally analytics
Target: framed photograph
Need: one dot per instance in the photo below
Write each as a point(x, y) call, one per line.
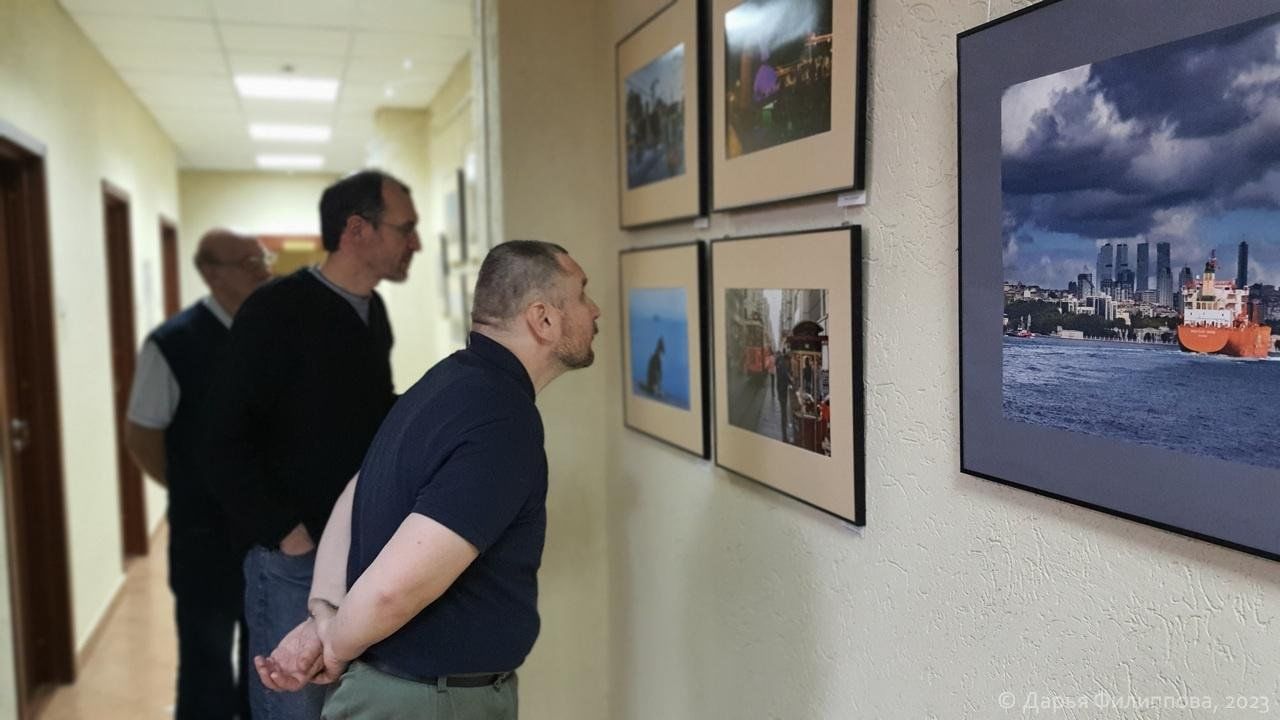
point(664, 337)
point(788, 96)
point(661, 116)
point(459, 308)
point(789, 367)
point(442, 277)
point(474, 236)
point(464, 239)
point(1119, 261)
point(453, 227)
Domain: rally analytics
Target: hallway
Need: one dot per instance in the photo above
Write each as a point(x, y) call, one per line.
point(129, 674)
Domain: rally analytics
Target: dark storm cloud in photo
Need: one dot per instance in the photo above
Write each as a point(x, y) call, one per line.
point(1155, 145)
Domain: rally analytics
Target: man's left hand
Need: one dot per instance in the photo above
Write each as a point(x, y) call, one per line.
point(295, 661)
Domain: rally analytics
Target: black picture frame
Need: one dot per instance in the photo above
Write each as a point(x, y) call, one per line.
point(777, 260)
point(691, 434)
point(463, 237)
point(1185, 492)
point(825, 162)
point(685, 195)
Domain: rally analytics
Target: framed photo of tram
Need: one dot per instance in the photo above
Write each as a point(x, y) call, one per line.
point(788, 98)
point(664, 337)
point(1119, 265)
point(662, 118)
point(787, 334)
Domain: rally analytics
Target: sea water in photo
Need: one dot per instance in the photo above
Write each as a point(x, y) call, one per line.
point(659, 345)
point(1147, 394)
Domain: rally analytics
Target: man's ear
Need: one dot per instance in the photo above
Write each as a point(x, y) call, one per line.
point(542, 322)
point(354, 229)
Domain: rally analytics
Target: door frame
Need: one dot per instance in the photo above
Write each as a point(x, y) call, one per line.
point(124, 348)
point(170, 275)
point(39, 572)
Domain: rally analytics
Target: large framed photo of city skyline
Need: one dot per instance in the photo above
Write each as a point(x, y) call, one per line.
point(787, 333)
point(788, 97)
point(661, 118)
point(1120, 317)
point(664, 344)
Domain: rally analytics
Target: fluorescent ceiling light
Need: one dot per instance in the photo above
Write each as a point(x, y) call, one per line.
point(290, 133)
point(290, 162)
point(285, 87)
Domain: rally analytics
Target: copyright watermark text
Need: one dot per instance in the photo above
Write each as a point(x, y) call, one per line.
point(1037, 702)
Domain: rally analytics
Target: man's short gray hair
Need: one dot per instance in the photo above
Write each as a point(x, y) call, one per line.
point(511, 276)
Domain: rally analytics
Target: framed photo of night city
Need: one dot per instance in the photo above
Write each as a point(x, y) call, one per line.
point(661, 118)
point(1119, 261)
point(788, 97)
point(787, 333)
point(664, 339)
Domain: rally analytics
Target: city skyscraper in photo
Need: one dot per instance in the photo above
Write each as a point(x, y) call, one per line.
point(1242, 266)
point(1144, 267)
point(1164, 275)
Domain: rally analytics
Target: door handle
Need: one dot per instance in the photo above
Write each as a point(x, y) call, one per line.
point(20, 432)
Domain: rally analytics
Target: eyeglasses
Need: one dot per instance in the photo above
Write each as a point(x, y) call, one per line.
point(250, 262)
point(407, 229)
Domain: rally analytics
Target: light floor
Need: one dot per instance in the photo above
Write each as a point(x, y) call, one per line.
point(129, 674)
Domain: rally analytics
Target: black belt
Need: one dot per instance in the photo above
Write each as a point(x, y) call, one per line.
point(456, 681)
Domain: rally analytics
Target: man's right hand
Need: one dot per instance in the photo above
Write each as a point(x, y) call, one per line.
point(297, 542)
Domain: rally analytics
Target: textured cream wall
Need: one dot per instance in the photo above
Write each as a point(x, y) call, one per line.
point(451, 137)
point(729, 601)
point(401, 147)
point(56, 87)
point(258, 203)
point(555, 121)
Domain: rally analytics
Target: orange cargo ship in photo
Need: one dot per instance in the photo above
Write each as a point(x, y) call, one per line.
point(1217, 318)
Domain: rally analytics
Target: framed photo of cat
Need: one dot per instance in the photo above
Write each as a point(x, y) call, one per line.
point(664, 354)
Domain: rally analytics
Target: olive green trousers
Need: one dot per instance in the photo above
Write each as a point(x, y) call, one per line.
point(365, 693)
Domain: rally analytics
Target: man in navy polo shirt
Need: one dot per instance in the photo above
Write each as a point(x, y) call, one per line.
point(441, 534)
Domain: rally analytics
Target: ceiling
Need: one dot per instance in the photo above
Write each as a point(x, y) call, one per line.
point(179, 58)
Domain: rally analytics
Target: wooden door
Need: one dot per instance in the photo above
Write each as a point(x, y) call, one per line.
point(169, 268)
point(30, 435)
point(133, 513)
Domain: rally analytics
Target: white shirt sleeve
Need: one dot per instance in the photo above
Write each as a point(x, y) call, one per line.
point(154, 398)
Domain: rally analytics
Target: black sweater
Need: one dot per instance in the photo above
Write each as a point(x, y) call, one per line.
point(301, 389)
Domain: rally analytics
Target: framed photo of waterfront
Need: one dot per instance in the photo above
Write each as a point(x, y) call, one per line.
point(787, 334)
point(1119, 261)
point(664, 344)
point(788, 96)
point(661, 118)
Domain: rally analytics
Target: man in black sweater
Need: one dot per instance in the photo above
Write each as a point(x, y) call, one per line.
point(303, 387)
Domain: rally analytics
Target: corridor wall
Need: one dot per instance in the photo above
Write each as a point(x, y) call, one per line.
point(706, 595)
point(57, 88)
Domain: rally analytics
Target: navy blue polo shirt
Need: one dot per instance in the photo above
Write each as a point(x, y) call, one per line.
point(464, 447)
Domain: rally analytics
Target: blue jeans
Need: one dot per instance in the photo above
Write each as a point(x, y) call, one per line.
point(276, 587)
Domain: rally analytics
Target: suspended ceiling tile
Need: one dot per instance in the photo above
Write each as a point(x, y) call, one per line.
point(424, 47)
point(362, 94)
point(180, 87)
point(151, 8)
point(176, 35)
point(393, 69)
point(313, 66)
point(309, 13)
point(275, 111)
point(158, 100)
point(422, 15)
point(129, 57)
point(284, 40)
